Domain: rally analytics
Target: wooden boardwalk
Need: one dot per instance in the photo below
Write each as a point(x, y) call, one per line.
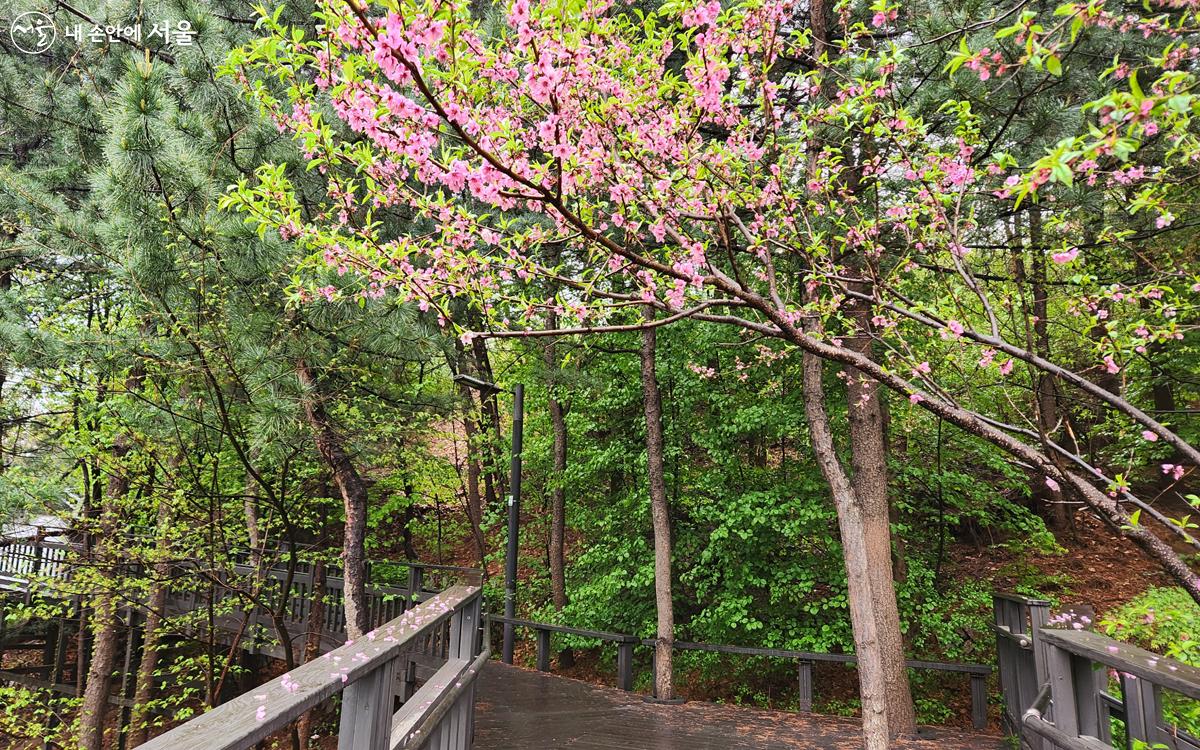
point(518, 709)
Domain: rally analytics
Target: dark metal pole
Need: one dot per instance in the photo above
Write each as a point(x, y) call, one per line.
point(514, 516)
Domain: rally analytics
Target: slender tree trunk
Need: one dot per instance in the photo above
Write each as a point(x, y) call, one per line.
point(155, 608)
point(868, 450)
point(1045, 390)
point(1161, 392)
point(860, 552)
point(97, 688)
point(474, 470)
point(312, 640)
point(5, 284)
point(558, 495)
point(494, 482)
point(332, 448)
point(410, 515)
point(104, 613)
point(253, 534)
point(664, 683)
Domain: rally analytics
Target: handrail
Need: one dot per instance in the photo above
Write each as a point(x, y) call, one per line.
point(1019, 599)
point(566, 629)
point(1055, 683)
point(8, 543)
point(364, 670)
point(777, 653)
point(1128, 659)
point(978, 673)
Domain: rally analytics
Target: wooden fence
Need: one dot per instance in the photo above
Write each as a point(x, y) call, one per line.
point(1068, 689)
point(805, 661)
point(35, 567)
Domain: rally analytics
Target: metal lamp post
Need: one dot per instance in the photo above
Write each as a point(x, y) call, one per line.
point(514, 503)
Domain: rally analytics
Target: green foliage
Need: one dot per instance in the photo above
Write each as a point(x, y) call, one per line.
point(30, 716)
point(1166, 621)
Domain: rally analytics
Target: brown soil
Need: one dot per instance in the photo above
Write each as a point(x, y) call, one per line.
point(1100, 569)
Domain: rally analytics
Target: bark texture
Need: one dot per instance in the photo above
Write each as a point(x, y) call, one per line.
point(332, 447)
point(152, 634)
point(860, 552)
point(868, 460)
point(312, 641)
point(558, 495)
point(664, 684)
point(104, 619)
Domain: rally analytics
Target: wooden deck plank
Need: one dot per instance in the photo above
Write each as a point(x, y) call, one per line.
point(527, 710)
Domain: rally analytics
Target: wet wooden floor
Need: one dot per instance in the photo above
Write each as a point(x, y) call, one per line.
point(526, 710)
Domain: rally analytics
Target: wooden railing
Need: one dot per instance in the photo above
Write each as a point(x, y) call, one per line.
point(805, 661)
point(438, 715)
point(24, 563)
point(1056, 684)
point(30, 567)
point(1017, 621)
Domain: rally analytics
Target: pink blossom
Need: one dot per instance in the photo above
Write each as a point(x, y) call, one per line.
point(1149, 436)
point(1175, 471)
point(1066, 256)
point(702, 15)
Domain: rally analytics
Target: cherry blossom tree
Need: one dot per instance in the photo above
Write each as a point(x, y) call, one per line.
point(738, 165)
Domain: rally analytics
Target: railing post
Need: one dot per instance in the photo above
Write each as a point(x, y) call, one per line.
point(1143, 709)
point(366, 722)
point(408, 684)
point(34, 568)
point(1075, 694)
point(979, 700)
point(1021, 658)
point(543, 650)
point(415, 583)
point(625, 665)
point(458, 728)
point(1062, 690)
point(806, 686)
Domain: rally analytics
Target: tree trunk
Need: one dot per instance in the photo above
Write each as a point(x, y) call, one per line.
point(558, 495)
point(332, 448)
point(312, 639)
point(664, 687)
point(250, 509)
point(155, 608)
point(494, 482)
point(865, 545)
point(868, 460)
point(104, 623)
point(406, 520)
point(470, 428)
point(6, 276)
point(1044, 385)
point(96, 690)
